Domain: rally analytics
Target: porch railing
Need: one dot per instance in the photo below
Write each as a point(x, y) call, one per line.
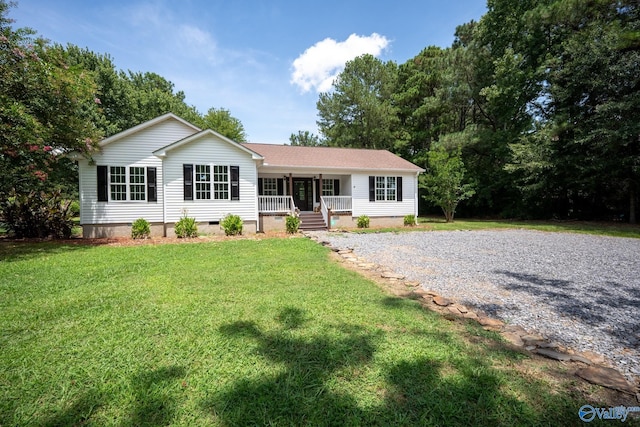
point(276, 204)
point(326, 213)
point(338, 204)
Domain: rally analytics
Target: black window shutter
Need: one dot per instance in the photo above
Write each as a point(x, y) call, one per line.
point(260, 190)
point(280, 182)
point(152, 193)
point(336, 187)
point(235, 182)
point(188, 181)
point(399, 188)
point(372, 188)
point(103, 190)
point(317, 190)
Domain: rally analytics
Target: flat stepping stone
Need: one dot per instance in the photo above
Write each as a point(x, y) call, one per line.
point(578, 358)
point(461, 308)
point(366, 265)
point(551, 354)
point(513, 338)
point(441, 301)
point(488, 321)
point(606, 377)
point(391, 275)
point(532, 339)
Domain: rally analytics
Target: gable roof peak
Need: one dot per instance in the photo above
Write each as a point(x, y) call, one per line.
point(145, 125)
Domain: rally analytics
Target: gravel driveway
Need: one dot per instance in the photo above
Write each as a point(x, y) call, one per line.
point(581, 291)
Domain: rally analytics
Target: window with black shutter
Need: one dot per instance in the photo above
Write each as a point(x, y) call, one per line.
point(188, 181)
point(152, 193)
point(372, 188)
point(399, 191)
point(235, 182)
point(103, 185)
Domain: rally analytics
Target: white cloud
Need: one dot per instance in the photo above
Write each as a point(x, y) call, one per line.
point(320, 64)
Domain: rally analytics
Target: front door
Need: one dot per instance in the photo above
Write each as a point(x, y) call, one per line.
point(303, 193)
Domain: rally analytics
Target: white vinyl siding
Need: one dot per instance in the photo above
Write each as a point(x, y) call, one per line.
point(134, 150)
point(384, 208)
point(220, 155)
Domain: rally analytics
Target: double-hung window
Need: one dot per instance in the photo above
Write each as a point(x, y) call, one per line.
point(385, 188)
point(327, 187)
point(118, 182)
point(221, 182)
point(137, 185)
point(217, 182)
point(269, 186)
point(203, 182)
point(122, 183)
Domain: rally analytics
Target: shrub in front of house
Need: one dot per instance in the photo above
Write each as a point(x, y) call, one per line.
point(409, 220)
point(37, 214)
point(74, 208)
point(186, 227)
point(140, 229)
point(363, 221)
point(232, 225)
point(292, 224)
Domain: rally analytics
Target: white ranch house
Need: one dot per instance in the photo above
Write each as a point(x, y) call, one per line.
point(165, 168)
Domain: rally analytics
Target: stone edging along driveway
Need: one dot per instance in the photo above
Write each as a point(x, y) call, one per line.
point(564, 296)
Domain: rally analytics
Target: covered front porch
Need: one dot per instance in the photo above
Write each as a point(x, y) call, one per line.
point(322, 194)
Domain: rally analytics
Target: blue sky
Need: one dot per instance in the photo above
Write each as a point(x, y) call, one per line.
point(264, 61)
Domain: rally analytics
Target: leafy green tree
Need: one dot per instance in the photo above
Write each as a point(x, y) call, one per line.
point(223, 122)
point(306, 139)
point(45, 110)
point(360, 112)
point(444, 182)
point(594, 99)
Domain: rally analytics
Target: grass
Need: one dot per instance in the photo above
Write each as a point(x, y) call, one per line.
point(244, 332)
point(585, 227)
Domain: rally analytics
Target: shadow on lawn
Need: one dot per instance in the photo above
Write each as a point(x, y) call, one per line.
point(323, 378)
point(23, 250)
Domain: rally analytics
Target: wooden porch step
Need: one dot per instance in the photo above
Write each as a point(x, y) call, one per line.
point(312, 221)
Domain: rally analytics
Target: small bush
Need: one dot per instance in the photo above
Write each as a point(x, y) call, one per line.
point(74, 208)
point(409, 220)
point(232, 225)
point(140, 229)
point(37, 214)
point(363, 221)
point(186, 227)
point(292, 224)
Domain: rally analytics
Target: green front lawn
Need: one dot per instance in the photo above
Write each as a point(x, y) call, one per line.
point(244, 332)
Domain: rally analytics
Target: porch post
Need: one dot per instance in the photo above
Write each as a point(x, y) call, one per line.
point(290, 184)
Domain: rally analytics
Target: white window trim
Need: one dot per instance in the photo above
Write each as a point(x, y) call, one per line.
point(211, 182)
point(127, 184)
point(270, 191)
point(386, 188)
point(130, 184)
point(332, 190)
